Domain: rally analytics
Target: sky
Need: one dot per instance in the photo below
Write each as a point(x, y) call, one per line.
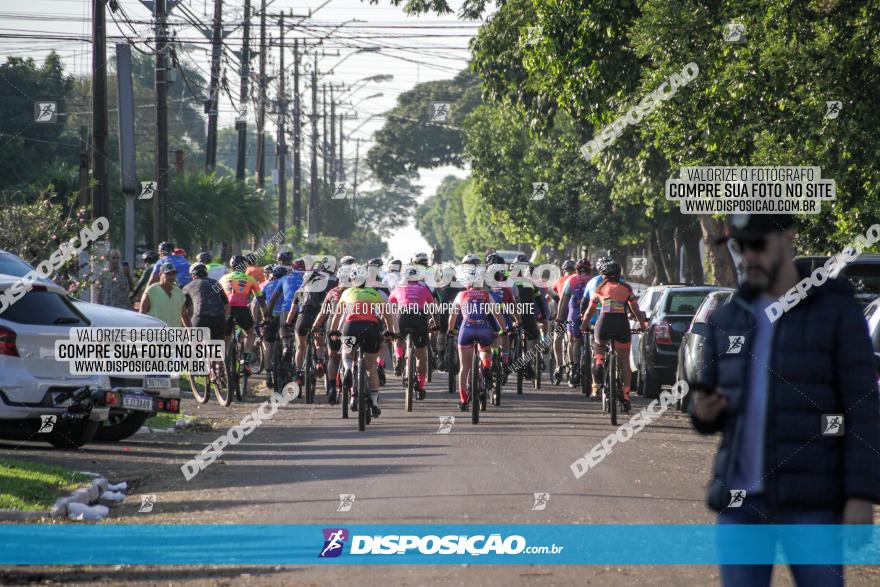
point(412, 49)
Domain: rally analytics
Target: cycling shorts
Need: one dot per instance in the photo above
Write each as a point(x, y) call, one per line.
point(418, 325)
point(574, 323)
point(270, 331)
point(242, 316)
point(305, 319)
point(613, 327)
point(368, 332)
point(214, 323)
point(530, 326)
point(480, 331)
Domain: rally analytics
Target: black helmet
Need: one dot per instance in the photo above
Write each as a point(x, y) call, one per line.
point(198, 269)
point(204, 257)
point(583, 266)
point(375, 262)
point(610, 268)
point(279, 271)
point(268, 268)
point(522, 258)
point(284, 257)
point(150, 257)
point(166, 247)
point(237, 262)
point(568, 265)
point(494, 259)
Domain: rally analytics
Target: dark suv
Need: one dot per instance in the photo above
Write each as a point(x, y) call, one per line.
point(658, 346)
point(863, 272)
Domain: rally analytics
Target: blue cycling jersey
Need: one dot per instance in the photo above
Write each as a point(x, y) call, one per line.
point(268, 290)
point(180, 263)
point(289, 285)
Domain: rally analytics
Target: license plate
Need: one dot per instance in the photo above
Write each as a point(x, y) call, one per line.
point(137, 402)
point(157, 381)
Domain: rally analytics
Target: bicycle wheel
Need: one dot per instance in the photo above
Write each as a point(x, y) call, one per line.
point(221, 386)
point(243, 376)
point(586, 374)
point(200, 385)
point(360, 383)
point(538, 366)
point(309, 374)
point(613, 383)
point(497, 376)
point(475, 388)
point(346, 397)
point(256, 363)
point(410, 373)
point(451, 369)
point(520, 374)
point(232, 369)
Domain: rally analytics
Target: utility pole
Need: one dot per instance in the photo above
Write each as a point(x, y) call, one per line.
point(354, 191)
point(313, 184)
point(297, 137)
point(341, 155)
point(213, 98)
point(324, 136)
point(160, 201)
point(281, 143)
point(332, 138)
point(100, 195)
point(261, 106)
point(241, 123)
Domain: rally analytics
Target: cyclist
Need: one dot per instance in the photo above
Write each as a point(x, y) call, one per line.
point(181, 265)
point(362, 315)
point(505, 299)
point(585, 302)
point(473, 308)
point(307, 305)
point(271, 321)
point(255, 270)
point(555, 292)
point(329, 309)
point(392, 275)
point(410, 301)
point(614, 296)
point(284, 258)
point(532, 304)
point(569, 311)
point(205, 305)
point(239, 287)
point(290, 284)
point(215, 270)
point(149, 258)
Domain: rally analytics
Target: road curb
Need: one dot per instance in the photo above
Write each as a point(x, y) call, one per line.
point(83, 495)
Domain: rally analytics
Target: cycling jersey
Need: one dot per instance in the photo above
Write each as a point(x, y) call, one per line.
point(289, 286)
point(558, 285)
point(505, 298)
point(413, 296)
point(268, 289)
point(574, 288)
point(180, 263)
point(216, 271)
point(476, 326)
point(239, 287)
point(362, 303)
point(257, 273)
point(588, 295)
point(613, 295)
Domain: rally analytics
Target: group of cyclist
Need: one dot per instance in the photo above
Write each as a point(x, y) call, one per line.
point(486, 300)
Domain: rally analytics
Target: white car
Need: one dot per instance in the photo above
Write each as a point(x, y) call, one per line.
point(646, 304)
point(39, 398)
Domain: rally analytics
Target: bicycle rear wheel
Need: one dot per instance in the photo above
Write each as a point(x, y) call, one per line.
point(233, 373)
point(497, 376)
point(613, 383)
point(222, 387)
point(360, 384)
point(200, 385)
point(451, 370)
point(475, 388)
point(410, 373)
point(256, 363)
point(538, 366)
point(309, 374)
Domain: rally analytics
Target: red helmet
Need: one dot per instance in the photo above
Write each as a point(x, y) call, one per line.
point(583, 266)
point(299, 265)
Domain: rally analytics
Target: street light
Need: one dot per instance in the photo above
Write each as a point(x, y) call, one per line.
point(379, 95)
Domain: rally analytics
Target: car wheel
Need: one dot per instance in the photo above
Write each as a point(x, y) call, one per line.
point(120, 426)
point(74, 434)
point(650, 385)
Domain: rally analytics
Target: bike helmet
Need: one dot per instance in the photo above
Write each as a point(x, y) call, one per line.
point(204, 257)
point(522, 258)
point(268, 268)
point(166, 247)
point(610, 268)
point(299, 265)
point(198, 269)
point(374, 262)
point(150, 257)
point(357, 274)
point(237, 262)
point(284, 257)
point(582, 266)
point(494, 259)
point(470, 260)
point(569, 266)
point(412, 273)
point(420, 259)
point(347, 260)
point(395, 265)
point(279, 271)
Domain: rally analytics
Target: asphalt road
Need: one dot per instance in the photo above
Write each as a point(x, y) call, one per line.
point(293, 468)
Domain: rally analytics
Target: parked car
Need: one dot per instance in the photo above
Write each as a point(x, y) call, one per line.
point(142, 396)
point(509, 256)
point(690, 352)
point(863, 272)
point(873, 317)
point(39, 398)
point(658, 346)
point(646, 304)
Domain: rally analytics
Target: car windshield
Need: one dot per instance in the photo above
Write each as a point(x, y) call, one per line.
point(43, 307)
point(865, 278)
point(684, 303)
point(12, 265)
point(709, 305)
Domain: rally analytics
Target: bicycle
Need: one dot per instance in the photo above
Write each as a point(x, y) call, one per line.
point(344, 390)
point(516, 353)
point(476, 386)
point(238, 377)
point(611, 386)
point(310, 379)
point(216, 380)
point(409, 376)
point(282, 371)
point(497, 370)
point(451, 362)
point(359, 381)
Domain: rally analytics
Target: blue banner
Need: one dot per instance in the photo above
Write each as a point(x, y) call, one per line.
point(271, 544)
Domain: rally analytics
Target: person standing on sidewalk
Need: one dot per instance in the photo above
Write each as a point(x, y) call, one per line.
point(775, 390)
point(164, 300)
point(114, 285)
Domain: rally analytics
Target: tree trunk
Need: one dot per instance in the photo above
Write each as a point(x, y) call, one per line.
point(660, 275)
point(676, 252)
point(691, 239)
point(718, 255)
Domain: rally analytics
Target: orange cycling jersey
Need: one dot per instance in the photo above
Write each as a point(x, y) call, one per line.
point(257, 273)
point(613, 295)
point(238, 287)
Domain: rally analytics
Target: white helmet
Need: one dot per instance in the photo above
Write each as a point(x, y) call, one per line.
point(420, 259)
point(470, 260)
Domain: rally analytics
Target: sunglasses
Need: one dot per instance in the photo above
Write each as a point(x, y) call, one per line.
point(742, 245)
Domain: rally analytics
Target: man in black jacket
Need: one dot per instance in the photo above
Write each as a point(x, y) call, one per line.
point(795, 397)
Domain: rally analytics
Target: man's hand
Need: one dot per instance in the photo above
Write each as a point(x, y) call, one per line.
point(709, 406)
